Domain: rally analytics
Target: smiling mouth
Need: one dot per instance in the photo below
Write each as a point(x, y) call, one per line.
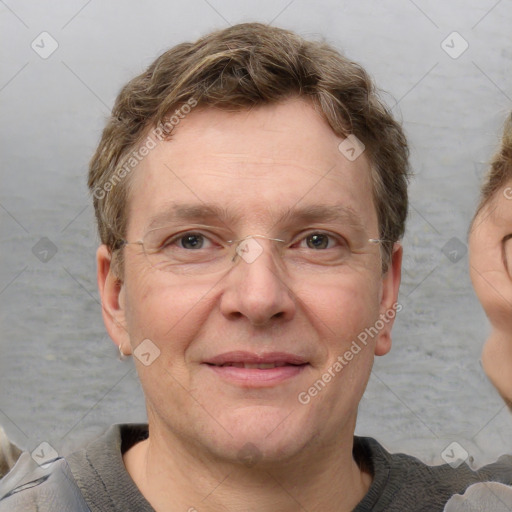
point(252, 370)
point(247, 372)
point(256, 366)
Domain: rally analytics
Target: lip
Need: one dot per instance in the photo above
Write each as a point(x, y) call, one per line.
point(240, 356)
point(288, 366)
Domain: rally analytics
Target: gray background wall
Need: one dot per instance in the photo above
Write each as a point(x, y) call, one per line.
point(60, 380)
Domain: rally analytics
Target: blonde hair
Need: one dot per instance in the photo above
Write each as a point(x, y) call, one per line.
point(239, 68)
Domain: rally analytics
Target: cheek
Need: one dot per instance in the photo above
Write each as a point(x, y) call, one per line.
point(167, 313)
point(340, 311)
point(342, 307)
point(171, 317)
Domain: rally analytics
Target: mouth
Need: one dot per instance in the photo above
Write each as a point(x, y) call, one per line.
point(255, 366)
point(253, 370)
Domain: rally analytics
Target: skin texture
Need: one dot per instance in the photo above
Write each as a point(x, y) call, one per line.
point(258, 165)
point(490, 245)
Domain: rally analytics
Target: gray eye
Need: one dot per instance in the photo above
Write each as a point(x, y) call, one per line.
point(192, 241)
point(317, 241)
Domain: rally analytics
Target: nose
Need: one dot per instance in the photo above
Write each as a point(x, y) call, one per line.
point(256, 287)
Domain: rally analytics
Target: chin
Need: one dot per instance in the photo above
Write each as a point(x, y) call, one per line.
point(259, 434)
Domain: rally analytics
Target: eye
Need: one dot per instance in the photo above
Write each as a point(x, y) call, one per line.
point(191, 241)
point(319, 241)
point(320, 248)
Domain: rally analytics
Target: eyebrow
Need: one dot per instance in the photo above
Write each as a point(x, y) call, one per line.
point(323, 213)
point(190, 213)
point(204, 213)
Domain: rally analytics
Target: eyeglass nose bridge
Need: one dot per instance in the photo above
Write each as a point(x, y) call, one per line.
point(253, 236)
point(247, 252)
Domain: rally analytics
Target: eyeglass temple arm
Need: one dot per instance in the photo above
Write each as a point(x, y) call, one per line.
point(382, 241)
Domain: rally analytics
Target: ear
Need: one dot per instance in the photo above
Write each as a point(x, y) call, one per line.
point(389, 305)
point(111, 290)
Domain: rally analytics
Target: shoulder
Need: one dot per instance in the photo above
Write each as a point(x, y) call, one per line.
point(29, 487)
point(76, 483)
point(100, 472)
point(410, 467)
point(403, 482)
point(482, 496)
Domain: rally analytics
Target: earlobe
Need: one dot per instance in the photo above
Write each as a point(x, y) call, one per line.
point(111, 294)
point(389, 306)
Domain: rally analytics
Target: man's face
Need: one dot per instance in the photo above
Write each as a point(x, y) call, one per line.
point(273, 171)
point(490, 258)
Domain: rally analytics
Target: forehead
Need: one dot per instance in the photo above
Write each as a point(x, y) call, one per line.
point(254, 164)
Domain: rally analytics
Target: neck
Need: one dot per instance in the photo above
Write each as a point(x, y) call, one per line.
point(173, 478)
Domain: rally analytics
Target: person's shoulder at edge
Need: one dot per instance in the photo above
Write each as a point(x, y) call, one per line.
point(482, 496)
point(401, 480)
point(58, 483)
point(30, 486)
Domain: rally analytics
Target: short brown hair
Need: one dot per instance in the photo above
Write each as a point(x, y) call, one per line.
point(500, 169)
point(242, 67)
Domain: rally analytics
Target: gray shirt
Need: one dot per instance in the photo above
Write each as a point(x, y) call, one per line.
point(97, 473)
